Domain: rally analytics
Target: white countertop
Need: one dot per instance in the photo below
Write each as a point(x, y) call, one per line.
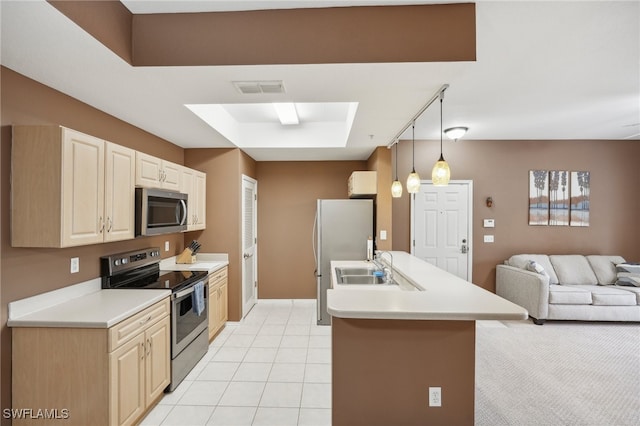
point(209, 262)
point(100, 309)
point(444, 296)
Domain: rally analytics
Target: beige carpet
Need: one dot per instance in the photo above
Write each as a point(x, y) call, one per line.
point(561, 373)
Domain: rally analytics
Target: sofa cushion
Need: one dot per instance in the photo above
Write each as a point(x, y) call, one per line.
point(522, 260)
point(534, 266)
point(573, 269)
point(568, 295)
point(610, 295)
point(631, 267)
point(635, 290)
point(628, 279)
point(605, 267)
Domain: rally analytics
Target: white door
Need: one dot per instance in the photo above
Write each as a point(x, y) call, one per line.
point(249, 244)
point(441, 226)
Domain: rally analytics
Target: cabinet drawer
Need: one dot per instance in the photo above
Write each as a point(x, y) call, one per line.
point(217, 276)
point(125, 330)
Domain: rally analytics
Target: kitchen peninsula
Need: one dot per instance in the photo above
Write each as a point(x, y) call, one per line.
point(390, 345)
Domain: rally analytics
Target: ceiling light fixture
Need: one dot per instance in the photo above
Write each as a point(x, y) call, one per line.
point(286, 113)
point(396, 186)
point(455, 133)
point(441, 173)
point(413, 180)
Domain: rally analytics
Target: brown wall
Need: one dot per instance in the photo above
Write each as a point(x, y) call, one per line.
point(224, 168)
point(380, 161)
point(29, 271)
point(500, 169)
point(287, 194)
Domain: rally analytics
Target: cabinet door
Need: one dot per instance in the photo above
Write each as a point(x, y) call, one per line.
point(200, 195)
point(119, 210)
point(187, 187)
point(171, 174)
point(214, 310)
point(83, 220)
point(158, 356)
point(223, 303)
point(127, 371)
point(148, 171)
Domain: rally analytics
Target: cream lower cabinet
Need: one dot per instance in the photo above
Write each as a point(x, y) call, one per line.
point(69, 188)
point(218, 304)
point(93, 376)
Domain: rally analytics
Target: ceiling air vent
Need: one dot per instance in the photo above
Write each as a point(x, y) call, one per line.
point(255, 87)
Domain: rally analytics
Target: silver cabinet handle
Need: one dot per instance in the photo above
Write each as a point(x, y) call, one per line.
point(101, 224)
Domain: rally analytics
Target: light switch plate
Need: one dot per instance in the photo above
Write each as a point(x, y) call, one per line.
point(489, 223)
point(488, 238)
point(383, 235)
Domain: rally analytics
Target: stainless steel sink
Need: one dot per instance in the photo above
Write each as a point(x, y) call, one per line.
point(355, 271)
point(353, 275)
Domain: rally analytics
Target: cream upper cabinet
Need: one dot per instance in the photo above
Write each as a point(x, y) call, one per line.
point(194, 183)
point(154, 172)
point(83, 219)
point(200, 183)
point(120, 169)
point(69, 188)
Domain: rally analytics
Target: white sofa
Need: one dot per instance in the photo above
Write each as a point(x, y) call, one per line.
point(568, 287)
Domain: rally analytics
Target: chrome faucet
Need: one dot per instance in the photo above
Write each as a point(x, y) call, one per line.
point(377, 260)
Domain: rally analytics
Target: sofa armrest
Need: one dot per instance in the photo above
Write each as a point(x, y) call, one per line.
point(525, 288)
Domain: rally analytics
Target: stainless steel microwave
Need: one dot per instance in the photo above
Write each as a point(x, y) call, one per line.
point(159, 211)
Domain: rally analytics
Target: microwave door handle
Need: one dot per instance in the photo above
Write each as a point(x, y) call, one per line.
point(182, 220)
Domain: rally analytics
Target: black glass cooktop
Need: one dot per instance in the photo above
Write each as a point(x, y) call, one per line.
point(151, 277)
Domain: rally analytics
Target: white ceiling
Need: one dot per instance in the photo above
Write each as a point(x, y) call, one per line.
point(544, 70)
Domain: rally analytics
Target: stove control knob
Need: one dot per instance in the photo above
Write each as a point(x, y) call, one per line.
point(116, 262)
point(125, 260)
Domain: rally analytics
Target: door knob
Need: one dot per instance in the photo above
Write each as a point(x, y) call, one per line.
point(246, 255)
point(464, 248)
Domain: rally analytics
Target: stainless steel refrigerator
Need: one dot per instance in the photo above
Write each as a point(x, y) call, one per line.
point(340, 232)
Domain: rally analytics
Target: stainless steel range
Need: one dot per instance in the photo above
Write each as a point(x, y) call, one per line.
point(189, 328)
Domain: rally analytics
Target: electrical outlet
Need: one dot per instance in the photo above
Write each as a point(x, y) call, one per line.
point(435, 397)
point(488, 239)
point(166, 246)
point(75, 265)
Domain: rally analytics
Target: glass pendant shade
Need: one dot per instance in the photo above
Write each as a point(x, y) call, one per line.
point(396, 189)
point(441, 173)
point(413, 183)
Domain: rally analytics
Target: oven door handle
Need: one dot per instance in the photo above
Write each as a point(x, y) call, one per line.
point(182, 293)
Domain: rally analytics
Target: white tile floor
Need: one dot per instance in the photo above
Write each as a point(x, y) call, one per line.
point(272, 369)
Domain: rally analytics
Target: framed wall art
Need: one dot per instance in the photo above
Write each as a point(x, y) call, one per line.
point(538, 197)
point(559, 197)
point(580, 193)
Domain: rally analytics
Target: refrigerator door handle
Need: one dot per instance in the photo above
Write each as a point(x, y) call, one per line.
point(313, 240)
point(319, 293)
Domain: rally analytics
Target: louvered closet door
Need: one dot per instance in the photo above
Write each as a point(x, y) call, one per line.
point(249, 244)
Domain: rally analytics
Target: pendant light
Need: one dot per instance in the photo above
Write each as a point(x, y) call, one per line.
point(396, 186)
point(441, 173)
point(413, 180)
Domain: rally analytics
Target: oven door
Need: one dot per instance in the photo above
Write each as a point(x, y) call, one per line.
point(186, 325)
